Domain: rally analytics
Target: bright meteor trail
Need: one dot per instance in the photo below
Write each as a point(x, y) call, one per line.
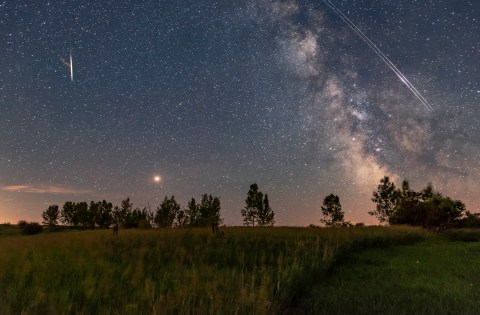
point(69, 65)
point(382, 56)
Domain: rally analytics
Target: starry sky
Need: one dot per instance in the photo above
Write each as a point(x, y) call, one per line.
point(215, 95)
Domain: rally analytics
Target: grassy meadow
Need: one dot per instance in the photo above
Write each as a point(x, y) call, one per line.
point(245, 271)
point(434, 277)
point(9, 230)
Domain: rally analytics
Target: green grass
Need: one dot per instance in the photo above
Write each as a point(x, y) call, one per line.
point(432, 277)
point(9, 230)
point(181, 271)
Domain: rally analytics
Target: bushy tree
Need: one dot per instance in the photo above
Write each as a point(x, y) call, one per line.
point(253, 203)
point(406, 206)
point(166, 212)
point(436, 211)
point(181, 219)
point(209, 210)
point(51, 215)
point(77, 215)
point(266, 216)
point(192, 213)
point(104, 214)
point(257, 208)
point(91, 214)
point(86, 218)
point(122, 215)
point(407, 195)
point(332, 211)
point(69, 215)
point(140, 218)
point(386, 197)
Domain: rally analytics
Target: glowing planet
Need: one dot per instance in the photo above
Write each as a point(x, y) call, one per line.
point(157, 179)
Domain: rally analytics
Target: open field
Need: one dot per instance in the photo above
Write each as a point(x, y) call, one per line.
point(245, 271)
point(433, 277)
point(9, 230)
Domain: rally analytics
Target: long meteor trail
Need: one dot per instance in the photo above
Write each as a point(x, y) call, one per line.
point(69, 64)
point(380, 54)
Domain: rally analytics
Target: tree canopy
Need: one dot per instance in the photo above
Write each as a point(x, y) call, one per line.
point(406, 206)
point(386, 197)
point(332, 212)
point(257, 208)
point(51, 215)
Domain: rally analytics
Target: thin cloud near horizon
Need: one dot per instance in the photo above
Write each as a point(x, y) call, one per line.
point(40, 189)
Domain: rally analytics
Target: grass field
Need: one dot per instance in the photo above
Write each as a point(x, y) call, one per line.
point(9, 230)
point(245, 271)
point(432, 277)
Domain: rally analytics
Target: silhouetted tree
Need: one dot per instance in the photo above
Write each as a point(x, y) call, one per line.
point(266, 215)
point(130, 217)
point(406, 206)
point(181, 220)
point(135, 216)
point(122, 214)
point(69, 215)
point(192, 213)
point(142, 218)
point(332, 211)
point(427, 192)
point(407, 195)
point(51, 215)
point(166, 212)
point(470, 220)
point(386, 197)
point(434, 211)
point(92, 213)
point(104, 214)
point(254, 204)
point(86, 218)
point(209, 210)
point(407, 202)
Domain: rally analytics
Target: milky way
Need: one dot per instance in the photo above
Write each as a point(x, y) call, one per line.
point(215, 95)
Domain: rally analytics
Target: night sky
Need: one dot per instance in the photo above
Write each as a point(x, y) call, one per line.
point(215, 95)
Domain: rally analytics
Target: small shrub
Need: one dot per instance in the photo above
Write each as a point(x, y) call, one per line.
point(31, 228)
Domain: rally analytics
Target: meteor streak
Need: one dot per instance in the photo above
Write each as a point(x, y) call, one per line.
point(380, 54)
point(69, 64)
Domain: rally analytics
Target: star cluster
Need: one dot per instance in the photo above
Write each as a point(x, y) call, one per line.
point(212, 96)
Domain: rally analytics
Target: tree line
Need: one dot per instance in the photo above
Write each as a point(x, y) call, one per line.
point(103, 214)
point(202, 213)
point(403, 205)
point(425, 208)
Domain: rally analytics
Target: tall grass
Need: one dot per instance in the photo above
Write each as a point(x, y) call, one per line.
point(435, 277)
point(175, 271)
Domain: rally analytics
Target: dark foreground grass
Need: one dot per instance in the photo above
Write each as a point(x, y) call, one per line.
point(437, 276)
point(9, 230)
point(176, 271)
